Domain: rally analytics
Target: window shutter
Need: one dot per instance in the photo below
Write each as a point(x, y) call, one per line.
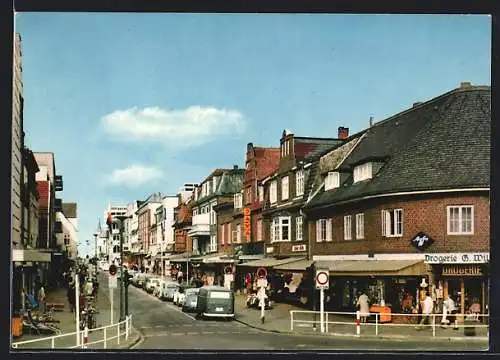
point(318, 231)
point(384, 219)
point(329, 230)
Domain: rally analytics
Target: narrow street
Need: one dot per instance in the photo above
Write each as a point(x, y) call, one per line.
point(164, 326)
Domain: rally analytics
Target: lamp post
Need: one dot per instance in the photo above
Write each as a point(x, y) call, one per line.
point(119, 221)
point(96, 256)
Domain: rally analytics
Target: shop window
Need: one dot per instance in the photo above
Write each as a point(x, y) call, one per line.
point(460, 220)
point(360, 226)
point(324, 230)
point(299, 182)
point(298, 228)
point(392, 223)
point(348, 227)
point(281, 229)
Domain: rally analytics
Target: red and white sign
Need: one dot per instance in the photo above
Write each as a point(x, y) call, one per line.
point(322, 279)
point(296, 248)
point(261, 273)
point(246, 223)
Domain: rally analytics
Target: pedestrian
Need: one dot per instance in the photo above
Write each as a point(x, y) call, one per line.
point(449, 313)
point(427, 307)
point(95, 287)
point(363, 306)
point(41, 297)
point(71, 296)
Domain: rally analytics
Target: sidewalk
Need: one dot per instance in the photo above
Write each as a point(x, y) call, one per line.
point(68, 323)
point(278, 320)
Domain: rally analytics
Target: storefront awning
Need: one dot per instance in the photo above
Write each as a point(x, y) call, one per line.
point(219, 258)
point(20, 255)
point(250, 257)
point(299, 265)
point(374, 267)
point(270, 262)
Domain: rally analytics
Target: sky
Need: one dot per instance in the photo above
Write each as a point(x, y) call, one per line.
point(132, 104)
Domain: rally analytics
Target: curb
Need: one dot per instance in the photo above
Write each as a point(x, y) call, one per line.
point(131, 343)
point(372, 337)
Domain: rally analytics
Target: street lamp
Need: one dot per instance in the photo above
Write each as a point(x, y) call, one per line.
point(96, 234)
point(119, 220)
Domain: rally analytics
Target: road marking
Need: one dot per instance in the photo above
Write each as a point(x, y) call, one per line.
point(177, 334)
point(159, 326)
point(209, 332)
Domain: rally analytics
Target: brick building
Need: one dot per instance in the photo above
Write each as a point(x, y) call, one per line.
point(407, 207)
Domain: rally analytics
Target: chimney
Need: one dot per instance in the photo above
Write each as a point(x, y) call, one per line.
point(235, 167)
point(465, 84)
point(343, 133)
point(371, 121)
point(415, 104)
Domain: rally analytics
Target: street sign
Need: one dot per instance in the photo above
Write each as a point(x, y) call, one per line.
point(113, 269)
point(322, 279)
point(112, 282)
point(261, 273)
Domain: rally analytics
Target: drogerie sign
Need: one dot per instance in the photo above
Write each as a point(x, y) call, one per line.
point(457, 258)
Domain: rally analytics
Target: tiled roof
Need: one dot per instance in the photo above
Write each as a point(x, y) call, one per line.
point(441, 144)
point(69, 210)
point(310, 148)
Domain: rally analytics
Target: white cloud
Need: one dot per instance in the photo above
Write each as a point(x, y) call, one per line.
point(135, 175)
point(184, 127)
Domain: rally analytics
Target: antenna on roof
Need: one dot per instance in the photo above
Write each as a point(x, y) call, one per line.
point(371, 121)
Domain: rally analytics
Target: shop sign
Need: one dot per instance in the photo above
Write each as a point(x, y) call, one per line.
point(457, 270)
point(269, 249)
point(457, 258)
point(246, 223)
point(296, 248)
point(421, 241)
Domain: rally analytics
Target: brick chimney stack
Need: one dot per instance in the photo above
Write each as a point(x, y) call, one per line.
point(343, 133)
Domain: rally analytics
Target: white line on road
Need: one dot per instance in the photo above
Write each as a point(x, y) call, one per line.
point(208, 332)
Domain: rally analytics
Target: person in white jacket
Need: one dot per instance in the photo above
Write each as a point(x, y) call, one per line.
point(427, 307)
point(449, 311)
point(363, 305)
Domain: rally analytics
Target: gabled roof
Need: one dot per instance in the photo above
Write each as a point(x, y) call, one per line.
point(231, 183)
point(306, 148)
point(443, 143)
point(267, 161)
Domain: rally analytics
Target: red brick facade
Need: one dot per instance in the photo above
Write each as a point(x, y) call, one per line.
point(183, 218)
point(427, 213)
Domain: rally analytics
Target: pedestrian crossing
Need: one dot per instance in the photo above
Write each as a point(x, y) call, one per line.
point(196, 329)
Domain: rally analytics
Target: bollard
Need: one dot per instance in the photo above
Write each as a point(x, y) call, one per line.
point(376, 323)
point(53, 345)
point(291, 320)
point(126, 328)
point(358, 323)
point(105, 338)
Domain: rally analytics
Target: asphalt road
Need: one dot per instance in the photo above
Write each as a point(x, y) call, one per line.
point(164, 326)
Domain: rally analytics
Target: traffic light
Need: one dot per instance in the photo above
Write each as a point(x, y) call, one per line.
point(127, 278)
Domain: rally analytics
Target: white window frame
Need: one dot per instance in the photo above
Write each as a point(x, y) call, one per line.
point(332, 180)
point(299, 182)
point(360, 226)
point(238, 233)
point(362, 172)
point(285, 188)
point(248, 195)
point(299, 236)
point(213, 220)
point(461, 223)
point(213, 243)
point(259, 230)
point(273, 192)
point(238, 200)
point(389, 229)
point(348, 227)
point(223, 234)
point(327, 224)
point(277, 225)
point(214, 184)
point(260, 190)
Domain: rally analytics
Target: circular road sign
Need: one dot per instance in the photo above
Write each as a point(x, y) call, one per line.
point(261, 273)
point(322, 278)
point(113, 269)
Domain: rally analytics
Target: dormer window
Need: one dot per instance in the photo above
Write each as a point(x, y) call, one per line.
point(332, 180)
point(362, 172)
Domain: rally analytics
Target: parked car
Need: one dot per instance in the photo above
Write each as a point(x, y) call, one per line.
point(139, 280)
point(168, 291)
point(215, 301)
point(190, 300)
point(151, 283)
point(158, 289)
point(178, 293)
point(146, 277)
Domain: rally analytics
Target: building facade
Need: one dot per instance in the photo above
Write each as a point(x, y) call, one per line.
point(146, 218)
point(402, 212)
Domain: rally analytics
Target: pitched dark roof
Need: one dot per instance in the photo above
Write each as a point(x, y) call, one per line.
point(231, 183)
point(69, 210)
point(441, 144)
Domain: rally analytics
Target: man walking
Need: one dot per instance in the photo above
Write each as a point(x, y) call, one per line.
point(427, 307)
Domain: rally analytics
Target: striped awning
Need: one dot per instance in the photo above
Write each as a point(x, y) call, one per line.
point(374, 267)
point(270, 262)
point(299, 265)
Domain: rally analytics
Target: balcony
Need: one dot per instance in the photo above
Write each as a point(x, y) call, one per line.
point(201, 219)
point(58, 183)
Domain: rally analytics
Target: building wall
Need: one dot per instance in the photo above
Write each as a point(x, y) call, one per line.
point(224, 217)
point(17, 142)
point(70, 229)
point(422, 213)
point(169, 204)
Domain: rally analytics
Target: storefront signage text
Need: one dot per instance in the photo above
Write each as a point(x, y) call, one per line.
point(471, 270)
point(296, 248)
point(457, 258)
point(246, 223)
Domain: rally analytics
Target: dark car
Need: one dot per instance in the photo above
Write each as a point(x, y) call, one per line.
point(215, 302)
point(190, 299)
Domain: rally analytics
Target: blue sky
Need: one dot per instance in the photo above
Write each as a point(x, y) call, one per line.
point(132, 104)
